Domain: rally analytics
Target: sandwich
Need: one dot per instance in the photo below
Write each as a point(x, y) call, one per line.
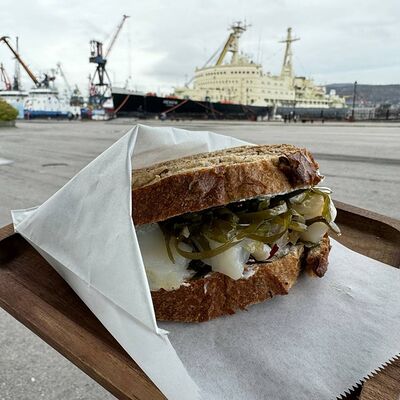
point(221, 231)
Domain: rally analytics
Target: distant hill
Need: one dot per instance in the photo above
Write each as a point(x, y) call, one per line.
point(368, 95)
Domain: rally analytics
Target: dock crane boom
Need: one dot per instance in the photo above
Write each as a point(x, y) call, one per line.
point(114, 38)
point(17, 56)
point(61, 71)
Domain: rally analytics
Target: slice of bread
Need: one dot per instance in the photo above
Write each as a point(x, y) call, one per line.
point(217, 294)
point(213, 179)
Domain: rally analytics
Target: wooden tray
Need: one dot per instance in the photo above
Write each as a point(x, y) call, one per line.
point(33, 293)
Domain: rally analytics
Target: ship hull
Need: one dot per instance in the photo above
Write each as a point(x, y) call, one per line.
point(128, 104)
point(44, 114)
point(137, 105)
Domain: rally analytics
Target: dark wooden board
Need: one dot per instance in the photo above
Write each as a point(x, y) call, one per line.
point(385, 385)
point(32, 292)
point(369, 233)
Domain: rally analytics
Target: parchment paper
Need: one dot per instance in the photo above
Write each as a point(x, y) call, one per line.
point(314, 343)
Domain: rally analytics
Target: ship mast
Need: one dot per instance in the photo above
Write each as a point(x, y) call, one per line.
point(17, 71)
point(232, 44)
point(287, 66)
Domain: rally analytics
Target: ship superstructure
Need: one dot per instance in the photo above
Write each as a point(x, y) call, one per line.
point(239, 80)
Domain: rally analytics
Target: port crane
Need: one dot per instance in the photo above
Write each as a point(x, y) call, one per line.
point(16, 82)
point(5, 39)
point(74, 94)
point(67, 85)
point(4, 78)
point(45, 82)
point(100, 82)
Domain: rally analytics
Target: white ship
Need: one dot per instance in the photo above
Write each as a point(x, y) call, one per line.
point(43, 100)
point(239, 80)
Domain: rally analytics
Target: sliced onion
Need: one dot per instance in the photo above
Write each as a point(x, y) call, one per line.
point(200, 255)
point(260, 251)
point(312, 206)
point(315, 232)
point(264, 214)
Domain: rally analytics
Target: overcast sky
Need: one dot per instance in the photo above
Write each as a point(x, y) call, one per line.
point(163, 41)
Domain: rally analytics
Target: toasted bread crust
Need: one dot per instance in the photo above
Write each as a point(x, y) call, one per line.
point(315, 260)
point(217, 294)
point(213, 179)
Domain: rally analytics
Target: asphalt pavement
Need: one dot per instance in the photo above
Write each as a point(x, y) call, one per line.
point(360, 161)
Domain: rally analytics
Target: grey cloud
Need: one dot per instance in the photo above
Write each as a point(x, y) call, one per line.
point(339, 40)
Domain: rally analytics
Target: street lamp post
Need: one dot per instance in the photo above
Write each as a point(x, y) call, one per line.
point(354, 100)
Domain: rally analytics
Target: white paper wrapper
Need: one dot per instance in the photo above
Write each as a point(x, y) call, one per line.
point(314, 343)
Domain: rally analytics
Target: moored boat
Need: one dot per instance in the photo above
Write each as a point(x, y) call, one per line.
point(236, 88)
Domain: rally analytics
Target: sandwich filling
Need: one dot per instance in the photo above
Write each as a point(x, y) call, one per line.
point(227, 239)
